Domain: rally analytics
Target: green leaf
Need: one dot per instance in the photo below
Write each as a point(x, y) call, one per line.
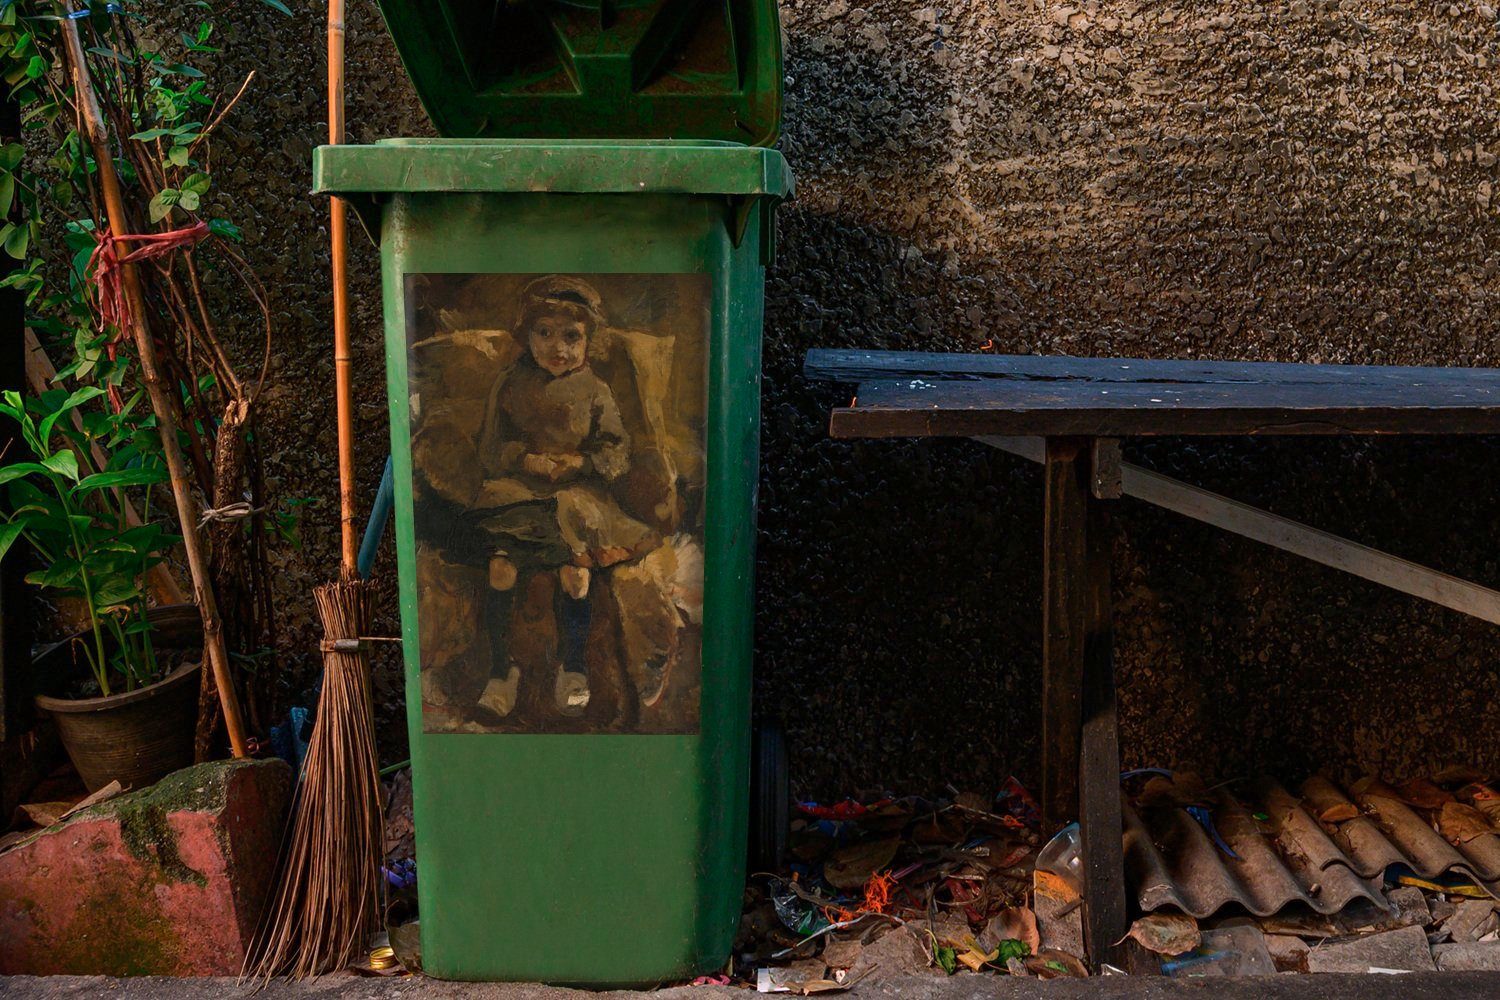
point(18, 469)
point(37, 67)
point(152, 133)
point(1012, 948)
point(116, 592)
point(161, 205)
point(226, 229)
point(78, 234)
point(77, 398)
point(64, 463)
point(79, 265)
point(106, 52)
point(59, 574)
point(947, 958)
point(188, 201)
point(148, 537)
point(9, 532)
point(121, 477)
point(17, 240)
point(277, 5)
point(11, 155)
point(197, 183)
point(177, 156)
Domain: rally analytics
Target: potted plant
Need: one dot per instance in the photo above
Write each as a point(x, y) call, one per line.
point(124, 690)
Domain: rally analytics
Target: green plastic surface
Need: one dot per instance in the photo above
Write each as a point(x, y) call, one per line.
point(673, 69)
point(584, 859)
point(752, 180)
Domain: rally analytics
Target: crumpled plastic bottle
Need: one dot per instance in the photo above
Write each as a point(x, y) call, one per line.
point(1063, 856)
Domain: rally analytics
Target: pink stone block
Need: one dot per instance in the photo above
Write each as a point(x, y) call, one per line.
point(168, 881)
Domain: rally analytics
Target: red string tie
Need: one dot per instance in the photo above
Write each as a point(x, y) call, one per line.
point(107, 265)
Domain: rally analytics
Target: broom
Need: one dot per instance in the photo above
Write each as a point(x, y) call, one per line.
point(327, 902)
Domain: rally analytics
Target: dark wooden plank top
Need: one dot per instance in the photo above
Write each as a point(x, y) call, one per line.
point(961, 395)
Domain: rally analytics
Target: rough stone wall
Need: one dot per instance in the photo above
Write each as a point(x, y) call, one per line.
point(1303, 181)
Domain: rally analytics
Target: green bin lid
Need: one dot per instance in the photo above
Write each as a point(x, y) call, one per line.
point(594, 69)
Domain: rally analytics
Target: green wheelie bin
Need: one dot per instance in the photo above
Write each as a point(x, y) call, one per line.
point(573, 281)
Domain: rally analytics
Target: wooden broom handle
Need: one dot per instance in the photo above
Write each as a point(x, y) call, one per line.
point(166, 421)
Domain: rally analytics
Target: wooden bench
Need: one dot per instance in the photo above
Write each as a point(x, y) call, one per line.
point(1068, 414)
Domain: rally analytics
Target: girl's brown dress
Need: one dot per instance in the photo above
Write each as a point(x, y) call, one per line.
point(535, 520)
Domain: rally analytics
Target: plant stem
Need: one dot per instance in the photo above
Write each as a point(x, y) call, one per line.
point(101, 666)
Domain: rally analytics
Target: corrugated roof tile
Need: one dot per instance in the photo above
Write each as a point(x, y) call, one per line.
point(1325, 850)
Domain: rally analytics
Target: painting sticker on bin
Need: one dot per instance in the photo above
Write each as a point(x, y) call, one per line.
point(557, 426)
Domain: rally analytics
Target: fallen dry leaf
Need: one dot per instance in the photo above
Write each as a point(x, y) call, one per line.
point(1485, 799)
point(1326, 802)
point(1460, 824)
point(104, 794)
point(1374, 787)
point(1458, 774)
point(44, 813)
point(1166, 933)
point(851, 867)
point(1013, 923)
point(1053, 964)
point(822, 986)
point(48, 813)
point(1423, 794)
point(1338, 812)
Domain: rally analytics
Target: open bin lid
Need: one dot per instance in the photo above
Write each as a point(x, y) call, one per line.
point(593, 69)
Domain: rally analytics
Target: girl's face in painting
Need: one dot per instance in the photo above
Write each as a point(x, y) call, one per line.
point(558, 343)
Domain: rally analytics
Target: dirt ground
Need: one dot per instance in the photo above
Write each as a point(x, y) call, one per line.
point(1301, 181)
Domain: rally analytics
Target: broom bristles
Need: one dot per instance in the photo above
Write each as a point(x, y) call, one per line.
point(327, 900)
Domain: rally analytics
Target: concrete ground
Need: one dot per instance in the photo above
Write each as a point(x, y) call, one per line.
point(1416, 986)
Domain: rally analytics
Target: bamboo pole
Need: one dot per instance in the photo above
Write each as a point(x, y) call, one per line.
point(343, 360)
point(166, 422)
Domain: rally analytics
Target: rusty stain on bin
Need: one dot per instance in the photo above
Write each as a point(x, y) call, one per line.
point(1290, 857)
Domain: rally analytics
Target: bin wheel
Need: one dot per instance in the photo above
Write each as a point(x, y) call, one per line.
point(770, 798)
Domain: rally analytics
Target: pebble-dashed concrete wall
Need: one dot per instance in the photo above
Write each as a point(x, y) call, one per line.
point(1309, 181)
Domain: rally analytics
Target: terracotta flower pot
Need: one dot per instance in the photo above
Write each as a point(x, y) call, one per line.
point(136, 737)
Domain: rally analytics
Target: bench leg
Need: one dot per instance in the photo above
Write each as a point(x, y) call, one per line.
point(1080, 744)
point(1064, 606)
point(1100, 819)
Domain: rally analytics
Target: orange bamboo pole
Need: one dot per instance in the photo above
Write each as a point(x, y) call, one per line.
point(343, 360)
point(187, 516)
